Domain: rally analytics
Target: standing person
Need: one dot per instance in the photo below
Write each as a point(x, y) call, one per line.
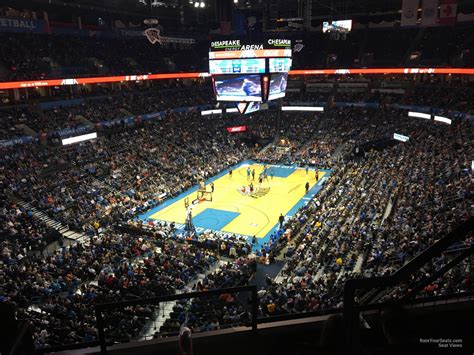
point(230, 173)
point(248, 173)
point(307, 169)
point(265, 176)
point(271, 174)
point(281, 219)
point(316, 174)
point(212, 187)
point(306, 187)
point(253, 174)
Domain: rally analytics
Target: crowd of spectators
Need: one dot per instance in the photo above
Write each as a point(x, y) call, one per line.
point(31, 57)
point(350, 234)
point(348, 231)
point(117, 105)
point(214, 312)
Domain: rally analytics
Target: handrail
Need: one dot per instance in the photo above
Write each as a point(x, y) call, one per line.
point(351, 310)
point(422, 284)
point(433, 300)
point(100, 308)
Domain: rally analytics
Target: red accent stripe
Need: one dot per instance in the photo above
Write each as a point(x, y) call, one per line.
point(111, 79)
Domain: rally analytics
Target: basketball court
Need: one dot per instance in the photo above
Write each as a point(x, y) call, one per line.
point(232, 209)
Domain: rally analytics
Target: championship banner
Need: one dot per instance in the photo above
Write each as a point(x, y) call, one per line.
point(448, 12)
point(430, 13)
point(409, 14)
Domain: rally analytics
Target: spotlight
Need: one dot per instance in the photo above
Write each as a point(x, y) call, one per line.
point(203, 4)
point(196, 4)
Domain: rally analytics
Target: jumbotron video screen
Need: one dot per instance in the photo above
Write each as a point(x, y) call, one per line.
point(263, 69)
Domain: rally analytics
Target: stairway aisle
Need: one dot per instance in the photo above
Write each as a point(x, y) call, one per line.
point(58, 226)
point(166, 308)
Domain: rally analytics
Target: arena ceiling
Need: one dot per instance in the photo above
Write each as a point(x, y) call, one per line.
point(170, 9)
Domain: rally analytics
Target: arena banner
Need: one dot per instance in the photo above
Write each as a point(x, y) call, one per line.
point(433, 110)
point(61, 103)
point(150, 116)
point(127, 120)
point(10, 24)
point(240, 45)
point(19, 140)
point(306, 103)
point(71, 131)
point(357, 104)
point(426, 109)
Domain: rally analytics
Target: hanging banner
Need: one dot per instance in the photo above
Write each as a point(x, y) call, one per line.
point(430, 13)
point(448, 12)
point(409, 14)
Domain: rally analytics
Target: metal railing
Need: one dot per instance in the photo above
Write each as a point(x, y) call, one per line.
point(100, 309)
point(351, 309)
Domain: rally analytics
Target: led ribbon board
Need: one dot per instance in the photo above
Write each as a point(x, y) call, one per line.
point(123, 78)
point(81, 138)
point(400, 137)
point(303, 108)
point(419, 114)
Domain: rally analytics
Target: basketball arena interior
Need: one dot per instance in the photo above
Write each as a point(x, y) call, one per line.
point(229, 177)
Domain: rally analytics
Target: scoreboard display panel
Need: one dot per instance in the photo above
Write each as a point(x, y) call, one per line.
point(278, 86)
point(237, 66)
point(279, 65)
point(238, 88)
point(250, 53)
point(250, 72)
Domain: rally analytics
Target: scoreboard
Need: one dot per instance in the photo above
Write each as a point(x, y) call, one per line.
point(250, 73)
point(279, 65)
point(237, 66)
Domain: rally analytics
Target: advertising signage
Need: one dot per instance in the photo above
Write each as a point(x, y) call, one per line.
point(239, 45)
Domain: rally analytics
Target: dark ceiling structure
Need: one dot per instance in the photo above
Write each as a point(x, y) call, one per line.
point(206, 11)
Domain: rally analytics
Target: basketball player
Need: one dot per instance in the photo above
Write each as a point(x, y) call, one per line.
point(253, 174)
point(265, 176)
point(212, 187)
point(306, 187)
point(316, 174)
point(230, 174)
point(248, 173)
point(248, 87)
